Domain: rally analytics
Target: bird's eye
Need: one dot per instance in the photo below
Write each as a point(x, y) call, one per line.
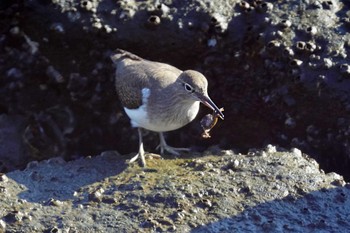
point(188, 87)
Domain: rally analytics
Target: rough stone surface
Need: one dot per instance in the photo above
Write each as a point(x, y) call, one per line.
point(211, 192)
point(280, 70)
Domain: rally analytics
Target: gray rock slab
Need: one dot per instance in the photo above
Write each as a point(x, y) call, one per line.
point(217, 191)
point(279, 68)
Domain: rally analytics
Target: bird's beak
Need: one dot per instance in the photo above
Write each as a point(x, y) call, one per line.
point(210, 104)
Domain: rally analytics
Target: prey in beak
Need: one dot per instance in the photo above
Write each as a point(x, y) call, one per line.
point(209, 121)
point(210, 104)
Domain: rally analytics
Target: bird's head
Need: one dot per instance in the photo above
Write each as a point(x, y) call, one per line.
point(195, 85)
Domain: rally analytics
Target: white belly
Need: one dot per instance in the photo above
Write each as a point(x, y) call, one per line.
point(140, 118)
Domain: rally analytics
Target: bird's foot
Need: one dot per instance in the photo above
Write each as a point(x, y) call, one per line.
point(141, 153)
point(143, 158)
point(172, 150)
point(163, 146)
point(140, 156)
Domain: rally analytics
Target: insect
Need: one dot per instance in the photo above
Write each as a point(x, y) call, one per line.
point(209, 121)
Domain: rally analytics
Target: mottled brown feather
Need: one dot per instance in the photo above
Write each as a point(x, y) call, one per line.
point(134, 73)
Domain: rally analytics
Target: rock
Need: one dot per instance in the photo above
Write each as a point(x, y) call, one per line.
point(263, 62)
point(255, 194)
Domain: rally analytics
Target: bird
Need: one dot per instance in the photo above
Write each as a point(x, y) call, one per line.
point(158, 97)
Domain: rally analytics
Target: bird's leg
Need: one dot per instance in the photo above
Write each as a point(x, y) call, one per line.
point(141, 152)
point(164, 146)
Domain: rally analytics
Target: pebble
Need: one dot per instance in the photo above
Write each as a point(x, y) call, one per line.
point(296, 152)
point(271, 149)
point(3, 178)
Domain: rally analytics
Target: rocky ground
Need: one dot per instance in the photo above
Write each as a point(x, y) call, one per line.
point(217, 191)
point(279, 68)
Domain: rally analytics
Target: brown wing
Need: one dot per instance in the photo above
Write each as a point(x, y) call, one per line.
point(134, 73)
point(120, 54)
point(129, 84)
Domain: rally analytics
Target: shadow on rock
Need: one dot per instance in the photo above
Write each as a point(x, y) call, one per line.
point(60, 180)
point(288, 214)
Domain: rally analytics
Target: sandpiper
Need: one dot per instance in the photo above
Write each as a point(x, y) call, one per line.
point(159, 97)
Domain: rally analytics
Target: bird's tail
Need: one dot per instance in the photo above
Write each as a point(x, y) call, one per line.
point(120, 54)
